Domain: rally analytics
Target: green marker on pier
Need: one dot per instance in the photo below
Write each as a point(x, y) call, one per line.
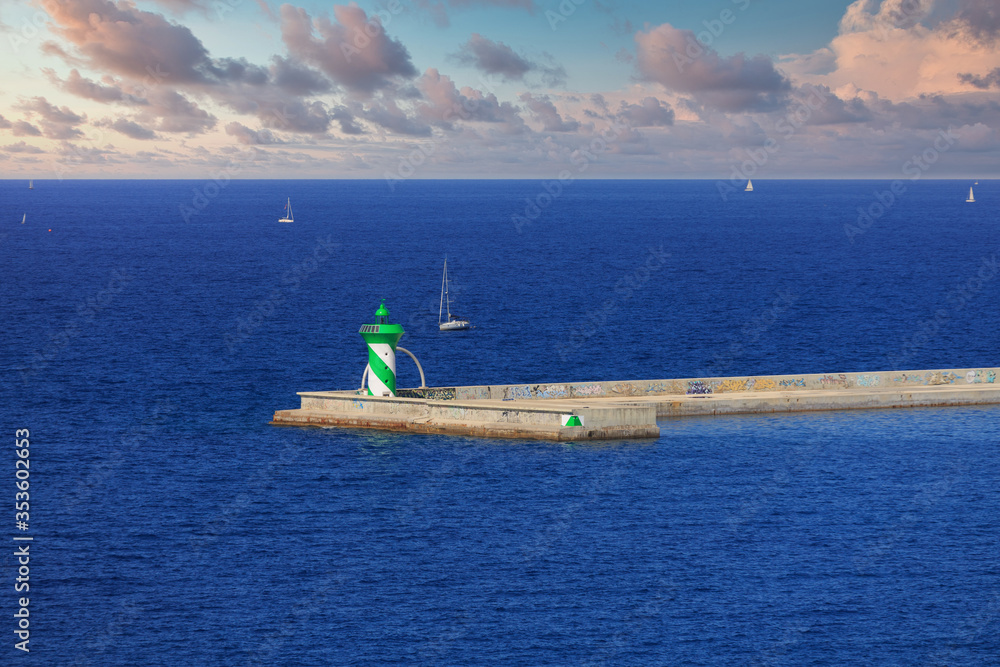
point(381, 338)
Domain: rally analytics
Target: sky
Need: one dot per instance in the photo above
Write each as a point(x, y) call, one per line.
point(401, 89)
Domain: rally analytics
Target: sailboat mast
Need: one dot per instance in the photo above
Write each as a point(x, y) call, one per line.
point(444, 281)
point(447, 296)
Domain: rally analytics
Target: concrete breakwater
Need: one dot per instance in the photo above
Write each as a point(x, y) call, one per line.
point(629, 409)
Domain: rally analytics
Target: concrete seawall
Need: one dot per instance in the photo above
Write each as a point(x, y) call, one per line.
point(629, 409)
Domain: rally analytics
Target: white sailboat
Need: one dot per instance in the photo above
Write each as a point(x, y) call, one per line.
point(31, 184)
point(454, 322)
point(23, 218)
point(288, 212)
point(749, 187)
point(971, 197)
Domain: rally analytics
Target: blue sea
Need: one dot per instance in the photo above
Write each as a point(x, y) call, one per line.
point(151, 329)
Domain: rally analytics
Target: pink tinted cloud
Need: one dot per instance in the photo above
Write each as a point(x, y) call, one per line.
point(675, 59)
point(354, 51)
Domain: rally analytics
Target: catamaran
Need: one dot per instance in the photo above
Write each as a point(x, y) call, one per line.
point(288, 212)
point(454, 322)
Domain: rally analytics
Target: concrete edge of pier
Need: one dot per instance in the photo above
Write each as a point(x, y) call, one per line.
point(492, 419)
point(626, 410)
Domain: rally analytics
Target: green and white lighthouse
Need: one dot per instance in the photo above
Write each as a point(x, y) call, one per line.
point(382, 338)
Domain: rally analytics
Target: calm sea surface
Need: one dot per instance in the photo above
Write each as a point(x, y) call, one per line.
point(146, 353)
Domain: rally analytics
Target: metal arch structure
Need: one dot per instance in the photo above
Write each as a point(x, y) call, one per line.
point(423, 382)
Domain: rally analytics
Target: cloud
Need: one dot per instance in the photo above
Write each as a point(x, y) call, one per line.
point(545, 112)
point(73, 154)
point(123, 39)
point(989, 80)
point(56, 122)
point(142, 46)
point(361, 61)
point(297, 79)
point(22, 147)
point(981, 18)
point(651, 112)
point(250, 137)
point(23, 128)
point(387, 114)
point(180, 6)
point(169, 111)
point(902, 49)
point(127, 127)
point(348, 123)
point(4, 123)
point(78, 85)
point(868, 15)
point(675, 59)
point(445, 105)
point(498, 58)
point(160, 106)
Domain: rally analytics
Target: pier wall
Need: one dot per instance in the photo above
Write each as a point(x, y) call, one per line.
point(847, 382)
point(546, 421)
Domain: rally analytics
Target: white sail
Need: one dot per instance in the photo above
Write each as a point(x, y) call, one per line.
point(749, 187)
point(23, 218)
point(288, 212)
point(453, 322)
point(971, 196)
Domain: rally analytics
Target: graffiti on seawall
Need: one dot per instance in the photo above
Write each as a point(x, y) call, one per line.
point(550, 391)
point(831, 381)
point(869, 380)
point(981, 376)
point(443, 394)
point(516, 393)
point(698, 387)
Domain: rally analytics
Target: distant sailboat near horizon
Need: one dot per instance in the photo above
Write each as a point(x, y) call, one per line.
point(288, 212)
point(454, 322)
point(971, 197)
point(31, 185)
point(749, 187)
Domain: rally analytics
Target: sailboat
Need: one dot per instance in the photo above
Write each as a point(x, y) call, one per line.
point(971, 198)
point(454, 322)
point(23, 218)
point(749, 187)
point(31, 184)
point(288, 212)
